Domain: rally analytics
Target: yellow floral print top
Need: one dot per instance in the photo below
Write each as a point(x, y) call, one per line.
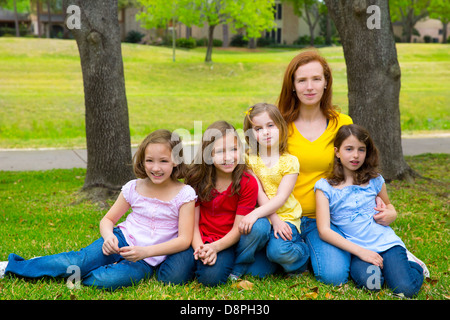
point(271, 178)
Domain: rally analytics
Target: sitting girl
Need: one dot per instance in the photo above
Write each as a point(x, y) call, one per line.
point(266, 133)
point(226, 193)
point(347, 199)
point(161, 223)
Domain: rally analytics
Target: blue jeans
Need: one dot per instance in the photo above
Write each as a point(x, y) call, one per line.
point(399, 274)
point(95, 268)
point(251, 255)
point(181, 267)
point(292, 255)
point(330, 264)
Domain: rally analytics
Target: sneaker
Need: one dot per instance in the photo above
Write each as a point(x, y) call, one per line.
point(413, 258)
point(233, 277)
point(3, 265)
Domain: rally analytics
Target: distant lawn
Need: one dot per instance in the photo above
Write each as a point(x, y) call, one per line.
point(40, 215)
point(42, 99)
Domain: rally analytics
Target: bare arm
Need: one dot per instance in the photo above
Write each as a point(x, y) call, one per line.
point(119, 208)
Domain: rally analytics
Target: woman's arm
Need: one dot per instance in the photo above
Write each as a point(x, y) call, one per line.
point(387, 213)
point(332, 237)
point(180, 243)
point(110, 242)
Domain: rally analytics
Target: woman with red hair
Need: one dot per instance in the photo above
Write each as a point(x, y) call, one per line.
point(305, 103)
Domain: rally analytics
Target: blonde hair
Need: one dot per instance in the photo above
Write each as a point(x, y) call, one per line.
point(274, 114)
point(162, 136)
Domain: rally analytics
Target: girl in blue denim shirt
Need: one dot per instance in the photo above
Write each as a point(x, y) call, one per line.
point(347, 199)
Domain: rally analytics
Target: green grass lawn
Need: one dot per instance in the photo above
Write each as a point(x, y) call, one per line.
point(42, 100)
point(40, 214)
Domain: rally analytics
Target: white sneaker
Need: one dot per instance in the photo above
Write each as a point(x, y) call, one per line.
point(3, 265)
point(413, 258)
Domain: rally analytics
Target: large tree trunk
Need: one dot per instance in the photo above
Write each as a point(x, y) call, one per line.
point(107, 128)
point(373, 77)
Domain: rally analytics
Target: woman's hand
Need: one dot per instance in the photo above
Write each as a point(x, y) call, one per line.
point(386, 213)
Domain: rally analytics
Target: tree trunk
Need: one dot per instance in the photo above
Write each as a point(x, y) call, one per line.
point(49, 13)
point(38, 14)
point(16, 20)
point(373, 77)
point(444, 31)
point(107, 128)
point(210, 43)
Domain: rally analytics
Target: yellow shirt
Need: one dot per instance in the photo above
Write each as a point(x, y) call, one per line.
point(271, 178)
point(316, 161)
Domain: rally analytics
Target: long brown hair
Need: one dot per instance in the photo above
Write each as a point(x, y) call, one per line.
point(173, 141)
point(369, 168)
point(276, 117)
point(201, 174)
point(288, 102)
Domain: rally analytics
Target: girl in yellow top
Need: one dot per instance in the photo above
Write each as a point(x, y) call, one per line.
point(313, 121)
point(277, 171)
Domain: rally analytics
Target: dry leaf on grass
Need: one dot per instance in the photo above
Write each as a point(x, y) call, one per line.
point(243, 285)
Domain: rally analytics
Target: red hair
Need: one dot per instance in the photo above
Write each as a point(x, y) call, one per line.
point(288, 102)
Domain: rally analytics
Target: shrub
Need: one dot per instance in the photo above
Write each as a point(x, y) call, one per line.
point(134, 36)
point(189, 43)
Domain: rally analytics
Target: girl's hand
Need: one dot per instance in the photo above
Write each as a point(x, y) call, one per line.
point(133, 253)
point(208, 254)
point(246, 224)
point(110, 245)
point(371, 257)
point(280, 228)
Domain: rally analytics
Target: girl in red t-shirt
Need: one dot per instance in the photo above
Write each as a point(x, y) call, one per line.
point(226, 193)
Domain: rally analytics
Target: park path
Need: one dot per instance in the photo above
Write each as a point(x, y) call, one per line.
point(46, 159)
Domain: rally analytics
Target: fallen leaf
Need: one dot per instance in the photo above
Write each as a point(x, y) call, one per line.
point(329, 296)
point(244, 284)
point(312, 295)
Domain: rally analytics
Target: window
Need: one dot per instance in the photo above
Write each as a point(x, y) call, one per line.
point(278, 10)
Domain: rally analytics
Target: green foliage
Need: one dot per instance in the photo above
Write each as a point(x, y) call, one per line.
point(186, 43)
point(42, 99)
point(134, 37)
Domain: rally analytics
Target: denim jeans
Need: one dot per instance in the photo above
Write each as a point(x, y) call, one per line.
point(292, 255)
point(181, 267)
point(95, 268)
point(251, 255)
point(399, 274)
point(330, 264)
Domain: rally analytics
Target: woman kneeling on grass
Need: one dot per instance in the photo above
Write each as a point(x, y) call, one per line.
point(161, 223)
point(347, 199)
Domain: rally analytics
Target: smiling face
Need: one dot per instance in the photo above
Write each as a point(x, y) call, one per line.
point(310, 83)
point(265, 131)
point(158, 162)
point(352, 154)
point(226, 153)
